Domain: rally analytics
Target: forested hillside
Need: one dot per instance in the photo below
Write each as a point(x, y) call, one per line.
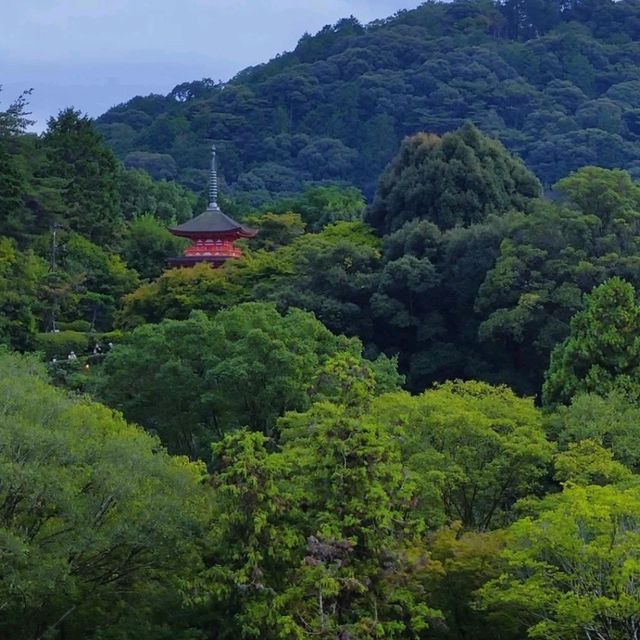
point(412, 419)
point(558, 82)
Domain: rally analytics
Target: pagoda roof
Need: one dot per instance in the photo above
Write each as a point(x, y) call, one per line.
point(213, 220)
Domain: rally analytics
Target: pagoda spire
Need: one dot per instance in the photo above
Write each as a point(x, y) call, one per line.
point(213, 181)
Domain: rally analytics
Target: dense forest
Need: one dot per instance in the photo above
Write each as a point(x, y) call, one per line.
point(409, 413)
point(557, 81)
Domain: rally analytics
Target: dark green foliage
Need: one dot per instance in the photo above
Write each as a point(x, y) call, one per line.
point(166, 201)
point(459, 179)
point(193, 381)
point(13, 187)
point(87, 173)
point(15, 118)
point(555, 82)
point(548, 260)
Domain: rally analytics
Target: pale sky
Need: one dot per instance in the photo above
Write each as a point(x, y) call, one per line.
point(93, 54)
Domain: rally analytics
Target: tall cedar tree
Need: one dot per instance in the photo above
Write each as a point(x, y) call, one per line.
point(88, 174)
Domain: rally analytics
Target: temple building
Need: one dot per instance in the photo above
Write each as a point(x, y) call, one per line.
point(212, 233)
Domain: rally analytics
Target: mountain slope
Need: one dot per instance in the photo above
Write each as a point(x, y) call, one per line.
point(557, 82)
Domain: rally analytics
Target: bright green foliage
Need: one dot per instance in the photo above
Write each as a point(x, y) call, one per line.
point(360, 573)
point(571, 569)
point(586, 463)
point(473, 447)
point(255, 536)
point(275, 230)
point(318, 538)
point(323, 205)
point(176, 293)
point(459, 179)
point(98, 525)
point(87, 172)
point(96, 281)
point(192, 381)
point(602, 352)
point(612, 421)
point(147, 245)
point(20, 275)
point(608, 194)
point(348, 379)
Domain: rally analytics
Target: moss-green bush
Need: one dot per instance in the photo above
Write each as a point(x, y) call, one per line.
point(59, 344)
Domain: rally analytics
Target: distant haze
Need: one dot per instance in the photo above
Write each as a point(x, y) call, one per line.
point(94, 54)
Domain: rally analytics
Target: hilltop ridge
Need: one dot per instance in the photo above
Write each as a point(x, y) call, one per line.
point(557, 82)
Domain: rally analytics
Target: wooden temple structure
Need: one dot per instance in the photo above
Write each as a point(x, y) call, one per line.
point(212, 233)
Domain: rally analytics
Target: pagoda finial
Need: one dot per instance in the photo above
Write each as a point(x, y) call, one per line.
point(213, 181)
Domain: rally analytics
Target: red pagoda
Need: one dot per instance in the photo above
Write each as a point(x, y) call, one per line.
point(212, 233)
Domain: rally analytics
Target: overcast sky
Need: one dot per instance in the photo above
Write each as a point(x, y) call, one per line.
point(93, 54)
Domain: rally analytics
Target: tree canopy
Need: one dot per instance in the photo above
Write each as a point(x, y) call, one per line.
point(555, 82)
point(458, 179)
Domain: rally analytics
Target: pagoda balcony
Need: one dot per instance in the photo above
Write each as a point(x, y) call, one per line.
point(213, 248)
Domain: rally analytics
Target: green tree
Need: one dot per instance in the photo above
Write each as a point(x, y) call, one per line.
point(192, 381)
point(613, 421)
point(548, 259)
point(99, 527)
point(602, 352)
point(461, 563)
point(13, 186)
point(319, 206)
point(276, 230)
point(98, 280)
point(605, 193)
point(589, 463)
point(15, 118)
point(140, 195)
point(458, 179)
point(361, 574)
point(474, 450)
point(176, 293)
point(571, 568)
point(148, 244)
point(318, 537)
point(20, 304)
point(88, 175)
point(256, 537)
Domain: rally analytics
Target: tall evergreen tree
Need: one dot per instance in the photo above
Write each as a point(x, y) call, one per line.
point(88, 172)
point(13, 186)
point(602, 352)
